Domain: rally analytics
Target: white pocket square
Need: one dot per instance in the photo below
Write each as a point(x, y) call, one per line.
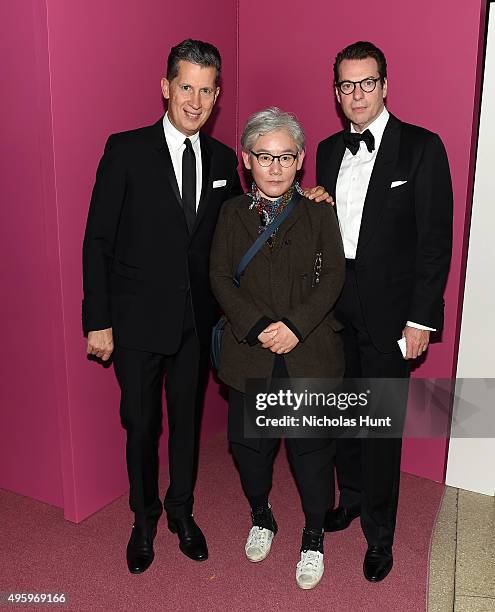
point(220, 183)
point(397, 183)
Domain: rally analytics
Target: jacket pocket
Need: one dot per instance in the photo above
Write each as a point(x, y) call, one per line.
point(122, 269)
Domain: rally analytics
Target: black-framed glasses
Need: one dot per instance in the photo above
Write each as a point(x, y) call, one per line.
point(367, 85)
point(286, 160)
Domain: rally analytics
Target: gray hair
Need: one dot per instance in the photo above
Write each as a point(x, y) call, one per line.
point(271, 120)
point(197, 52)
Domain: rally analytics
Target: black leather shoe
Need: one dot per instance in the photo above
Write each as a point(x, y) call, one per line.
point(191, 539)
point(340, 518)
point(140, 552)
point(378, 562)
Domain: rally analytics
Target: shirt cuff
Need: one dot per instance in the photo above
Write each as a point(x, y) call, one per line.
point(419, 326)
point(255, 331)
point(293, 328)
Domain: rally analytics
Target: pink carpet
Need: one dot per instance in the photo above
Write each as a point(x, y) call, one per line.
point(42, 552)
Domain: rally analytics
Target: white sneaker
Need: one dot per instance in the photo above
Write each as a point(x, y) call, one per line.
point(310, 569)
point(258, 543)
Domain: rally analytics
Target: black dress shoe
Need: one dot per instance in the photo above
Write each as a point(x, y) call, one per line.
point(340, 518)
point(140, 552)
point(191, 539)
point(378, 562)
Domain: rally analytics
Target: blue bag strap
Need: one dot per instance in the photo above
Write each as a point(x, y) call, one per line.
point(263, 237)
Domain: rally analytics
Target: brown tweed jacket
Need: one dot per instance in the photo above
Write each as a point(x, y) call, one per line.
point(278, 283)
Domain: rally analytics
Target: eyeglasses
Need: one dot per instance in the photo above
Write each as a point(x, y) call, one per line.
point(286, 160)
point(367, 85)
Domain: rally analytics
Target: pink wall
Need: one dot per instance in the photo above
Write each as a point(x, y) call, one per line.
point(432, 82)
point(106, 61)
point(97, 69)
point(75, 72)
point(29, 309)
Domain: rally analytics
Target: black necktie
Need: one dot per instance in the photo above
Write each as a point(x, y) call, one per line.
point(352, 140)
point(189, 184)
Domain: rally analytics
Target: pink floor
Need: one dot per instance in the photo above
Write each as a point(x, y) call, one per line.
point(41, 552)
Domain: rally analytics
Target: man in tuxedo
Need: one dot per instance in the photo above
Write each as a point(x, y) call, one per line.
point(147, 296)
point(392, 188)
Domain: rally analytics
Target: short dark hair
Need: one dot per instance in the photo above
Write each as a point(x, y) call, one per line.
point(195, 51)
point(358, 51)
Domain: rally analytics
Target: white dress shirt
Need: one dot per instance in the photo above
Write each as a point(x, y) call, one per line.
point(176, 146)
point(352, 185)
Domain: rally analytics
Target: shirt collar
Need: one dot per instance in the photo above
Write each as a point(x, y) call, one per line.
point(174, 138)
point(377, 127)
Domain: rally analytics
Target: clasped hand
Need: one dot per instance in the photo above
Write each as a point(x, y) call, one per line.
point(278, 338)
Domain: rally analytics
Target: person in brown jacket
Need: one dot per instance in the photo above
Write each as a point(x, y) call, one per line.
point(279, 323)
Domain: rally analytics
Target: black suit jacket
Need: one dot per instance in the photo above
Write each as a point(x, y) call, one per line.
point(139, 261)
point(405, 239)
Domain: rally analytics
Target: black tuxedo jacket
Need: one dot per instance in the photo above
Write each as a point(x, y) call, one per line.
point(139, 261)
point(405, 239)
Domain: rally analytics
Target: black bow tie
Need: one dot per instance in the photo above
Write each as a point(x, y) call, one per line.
point(352, 140)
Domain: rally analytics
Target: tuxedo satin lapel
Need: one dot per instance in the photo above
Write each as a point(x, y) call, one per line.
point(333, 168)
point(166, 161)
point(206, 164)
point(379, 185)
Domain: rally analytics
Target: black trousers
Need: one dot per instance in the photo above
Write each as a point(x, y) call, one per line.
point(141, 376)
point(368, 469)
point(312, 470)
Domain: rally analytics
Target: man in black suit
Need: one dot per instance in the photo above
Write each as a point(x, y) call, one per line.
point(154, 208)
point(392, 188)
